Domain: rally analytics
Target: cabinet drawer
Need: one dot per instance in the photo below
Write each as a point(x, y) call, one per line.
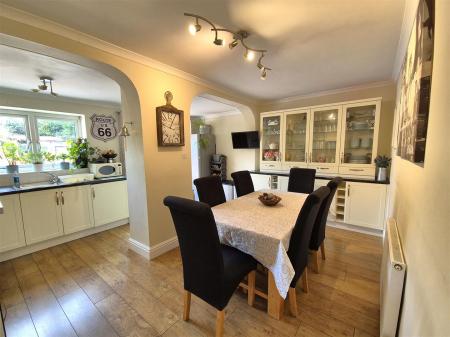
point(274, 165)
point(287, 166)
point(357, 171)
point(324, 169)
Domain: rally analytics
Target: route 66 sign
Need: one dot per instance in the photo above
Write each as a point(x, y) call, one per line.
point(103, 127)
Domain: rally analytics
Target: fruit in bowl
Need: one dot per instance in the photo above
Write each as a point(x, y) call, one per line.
point(269, 199)
point(109, 155)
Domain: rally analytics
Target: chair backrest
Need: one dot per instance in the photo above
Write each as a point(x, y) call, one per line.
point(301, 234)
point(243, 182)
point(318, 233)
point(210, 190)
point(301, 180)
point(203, 267)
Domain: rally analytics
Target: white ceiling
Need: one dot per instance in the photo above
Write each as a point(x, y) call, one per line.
point(205, 107)
point(313, 45)
point(20, 70)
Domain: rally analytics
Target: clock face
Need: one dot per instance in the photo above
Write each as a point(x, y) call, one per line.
point(170, 125)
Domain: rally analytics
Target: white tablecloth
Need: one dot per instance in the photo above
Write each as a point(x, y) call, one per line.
point(261, 231)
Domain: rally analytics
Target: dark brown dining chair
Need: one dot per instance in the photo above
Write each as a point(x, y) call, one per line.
point(243, 183)
point(211, 271)
point(318, 233)
point(301, 180)
point(210, 190)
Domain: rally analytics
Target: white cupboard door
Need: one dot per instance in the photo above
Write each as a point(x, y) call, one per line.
point(283, 183)
point(41, 212)
point(271, 141)
point(296, 137)
point(11, 226)
point(261, 181)
point(76, 208)
point(365, 204)
point(110, 202)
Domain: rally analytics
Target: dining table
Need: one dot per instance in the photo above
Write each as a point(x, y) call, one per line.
point(263, 232)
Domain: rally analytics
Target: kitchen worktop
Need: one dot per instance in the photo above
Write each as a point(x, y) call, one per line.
point(326, 177)
point(5, 190)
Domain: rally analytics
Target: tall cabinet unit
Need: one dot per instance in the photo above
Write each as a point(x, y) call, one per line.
point(336, 138)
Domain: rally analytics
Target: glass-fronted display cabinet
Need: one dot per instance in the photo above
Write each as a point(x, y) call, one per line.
point(325, 130)
point(271, 137)
point(296, 137)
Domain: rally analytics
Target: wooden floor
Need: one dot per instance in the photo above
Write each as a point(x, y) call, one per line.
point(95, 286)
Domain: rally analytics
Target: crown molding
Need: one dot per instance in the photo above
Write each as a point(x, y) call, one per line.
point(64, 31)
point(58, 99)
point(329, 92)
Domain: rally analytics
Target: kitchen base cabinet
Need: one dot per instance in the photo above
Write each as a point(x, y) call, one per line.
point(41, 213)
point(110, 202)
point(76, 208)
point(260, 181)
point(11, 226)
point(365, 204)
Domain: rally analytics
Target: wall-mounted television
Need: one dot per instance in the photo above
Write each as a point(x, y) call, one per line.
point(245, 140)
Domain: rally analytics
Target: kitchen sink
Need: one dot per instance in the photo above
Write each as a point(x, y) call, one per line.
point(36, 185)
point(76, 178)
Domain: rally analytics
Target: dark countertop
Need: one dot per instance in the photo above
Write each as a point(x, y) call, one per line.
point(5, 190)
point(325, 177)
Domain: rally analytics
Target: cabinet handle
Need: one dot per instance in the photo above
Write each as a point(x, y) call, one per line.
point(348, 191)
point(306, 156)
point(342, 157)
point(357, 170)
point(93, 193)
point(62, 197)
point(323, 168)
point(57, 198)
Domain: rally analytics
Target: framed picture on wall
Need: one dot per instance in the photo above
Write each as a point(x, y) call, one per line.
point(170, 124)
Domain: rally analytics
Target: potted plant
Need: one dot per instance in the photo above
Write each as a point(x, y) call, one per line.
point(80, 152)
point(49, 157)
point(64, 165)
point(382, 163)
point(36, 158)
point(12, 155)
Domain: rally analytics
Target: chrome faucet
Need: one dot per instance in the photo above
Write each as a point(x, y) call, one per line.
point(54, 179)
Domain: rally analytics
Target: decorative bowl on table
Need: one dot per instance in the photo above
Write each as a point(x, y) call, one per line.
point(269, 199)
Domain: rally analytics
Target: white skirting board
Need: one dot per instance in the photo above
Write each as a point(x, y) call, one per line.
point(353, 228)
point(154, 251)
point(59, 240)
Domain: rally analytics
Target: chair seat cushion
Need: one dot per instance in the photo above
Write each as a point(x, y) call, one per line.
point(237, 265)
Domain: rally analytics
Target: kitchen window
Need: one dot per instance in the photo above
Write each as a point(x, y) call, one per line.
point(37, 133)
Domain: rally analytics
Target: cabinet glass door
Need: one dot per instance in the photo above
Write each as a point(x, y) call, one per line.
point(324, 140)
point(295, 144)
point(270, 138)
point(358, 133)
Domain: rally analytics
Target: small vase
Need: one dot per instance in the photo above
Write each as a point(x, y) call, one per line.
point(12, 168)
point(38, 167)
point(382, 174)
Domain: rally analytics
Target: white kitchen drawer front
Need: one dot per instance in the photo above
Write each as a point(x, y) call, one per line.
point(76, 207)
point(11, 227)
point(324, 169)
point(289, 166)
point(275, 165)
point(357, 171)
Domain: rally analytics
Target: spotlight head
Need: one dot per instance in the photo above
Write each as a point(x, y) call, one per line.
point(263, 73)
point(233, 44)
point(193, 29)
point(249, 55)
point(218, 42)
point(42, 87)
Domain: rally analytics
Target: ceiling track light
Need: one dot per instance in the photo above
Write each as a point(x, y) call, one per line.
point(47, 82)
point(238, 37)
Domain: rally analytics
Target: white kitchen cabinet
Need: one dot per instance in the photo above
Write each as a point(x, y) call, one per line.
point(41, 213)
point(283, 183)
point(296, 139)
point(76, 208)
point(365, 204)
point(110, 202)
point(260, 181)
point(271, 141)
point(11, 227)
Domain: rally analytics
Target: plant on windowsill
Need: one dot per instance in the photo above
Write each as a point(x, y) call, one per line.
point(80, 152)
point(382, 163)
point(10, 151)
point(64, 165)
point(36, 158)
point(50, 157)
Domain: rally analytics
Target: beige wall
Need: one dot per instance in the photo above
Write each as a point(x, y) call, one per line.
point(386, 91)
point(162, 165)
point(421, 205)
point(41, 102)
point(237, 159)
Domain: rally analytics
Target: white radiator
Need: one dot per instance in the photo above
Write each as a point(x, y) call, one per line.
point(393, 270)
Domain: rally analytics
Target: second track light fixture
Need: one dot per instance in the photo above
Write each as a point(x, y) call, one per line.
point(238, 37)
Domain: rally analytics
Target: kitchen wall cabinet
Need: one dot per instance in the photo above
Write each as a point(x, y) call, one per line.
point(365, 204)
point(11, 226)
point(41, 213)
point(76, 208)
point(337, 138)
point(110, 202)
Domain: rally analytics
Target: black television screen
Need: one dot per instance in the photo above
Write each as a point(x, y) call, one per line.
point(245, 140)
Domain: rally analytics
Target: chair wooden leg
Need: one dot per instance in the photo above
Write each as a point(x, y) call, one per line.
point(293, 301)
point(251, 287)
point(187, 305)
point(315, 261)
point(322, 250)
point(305, 280)
point(219, 323)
